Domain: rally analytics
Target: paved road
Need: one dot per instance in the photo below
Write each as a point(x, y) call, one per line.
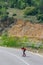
point(11, 56)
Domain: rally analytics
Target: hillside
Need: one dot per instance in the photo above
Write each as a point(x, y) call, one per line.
point(26, 28)
point(20, 10)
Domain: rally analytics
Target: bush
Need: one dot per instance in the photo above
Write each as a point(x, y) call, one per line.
point(11, 18)
point(4, 18)
point(0, 7)
point(14, 14)
point(40, 17)
point(21, 4)
point(30, 11)
point(0, 13)
point(12, 6)
point(7, 12)
point(33, 45)
point(41, 46)
point(10, 41)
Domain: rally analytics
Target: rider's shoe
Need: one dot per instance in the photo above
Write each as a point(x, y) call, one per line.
point(24, 55)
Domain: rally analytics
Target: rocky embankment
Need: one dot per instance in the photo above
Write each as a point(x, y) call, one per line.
point(26, 28)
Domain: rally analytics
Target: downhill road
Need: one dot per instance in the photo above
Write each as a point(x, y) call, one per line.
point(11, 56)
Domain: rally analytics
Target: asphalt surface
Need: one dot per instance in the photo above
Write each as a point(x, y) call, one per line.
point(11, 56)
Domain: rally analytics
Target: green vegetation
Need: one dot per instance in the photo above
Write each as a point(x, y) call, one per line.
point(19, 42)
point(40, 18)
point(20, 9)
point(25, 8)
point(14, 15)
point(30, 11)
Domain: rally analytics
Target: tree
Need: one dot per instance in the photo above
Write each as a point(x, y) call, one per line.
point(0, 6)
point(12, 3)
point(21, 4)
point(36, 3)
point(29, 2)
point(41, 6)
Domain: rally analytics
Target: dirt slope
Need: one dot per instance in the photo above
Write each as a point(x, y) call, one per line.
point(25, 28)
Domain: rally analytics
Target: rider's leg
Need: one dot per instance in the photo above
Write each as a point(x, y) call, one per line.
point(24, 53)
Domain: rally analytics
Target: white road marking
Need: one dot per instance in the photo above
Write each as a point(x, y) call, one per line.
point(15, 56)
point(29, 52)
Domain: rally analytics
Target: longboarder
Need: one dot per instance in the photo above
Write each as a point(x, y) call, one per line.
point(23, 49)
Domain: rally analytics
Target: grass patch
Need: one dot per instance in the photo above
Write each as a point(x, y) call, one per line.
point(19, 42)
point(18, 12)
